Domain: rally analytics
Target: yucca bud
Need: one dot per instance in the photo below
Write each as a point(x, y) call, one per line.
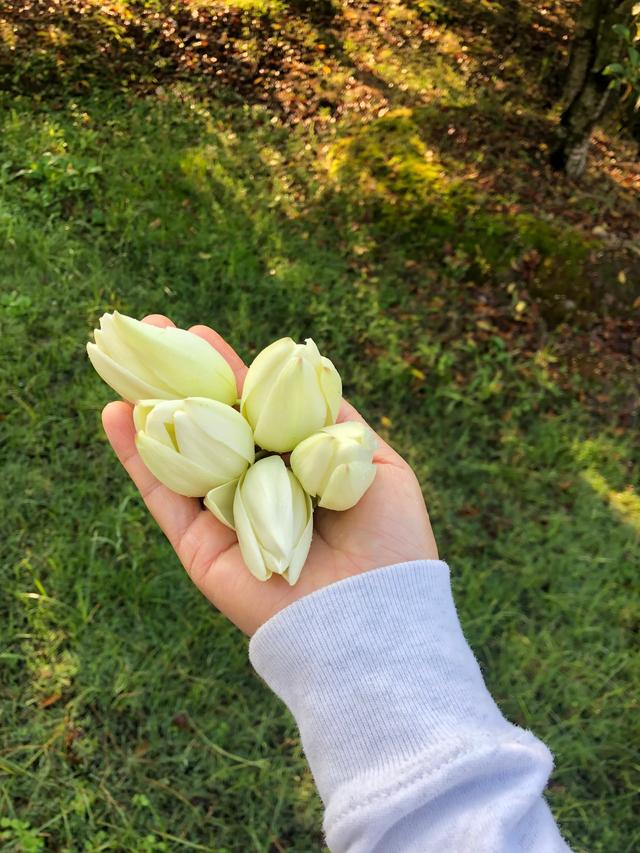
point(290, 391)
point(193, 445)
point(273, 519)
point(143, 362)
point(336, 464)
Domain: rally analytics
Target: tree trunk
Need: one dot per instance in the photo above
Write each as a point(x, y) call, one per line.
point(587, 93)
point(583, 48)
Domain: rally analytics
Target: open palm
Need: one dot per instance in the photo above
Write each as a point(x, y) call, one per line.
point(389, 525)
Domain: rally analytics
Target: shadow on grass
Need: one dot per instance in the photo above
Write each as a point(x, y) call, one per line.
point(276, 57)
point(301, 69)
point(459, 177)
point(509, 39)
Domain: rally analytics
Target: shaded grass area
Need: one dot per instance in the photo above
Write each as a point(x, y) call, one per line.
point(131, 717)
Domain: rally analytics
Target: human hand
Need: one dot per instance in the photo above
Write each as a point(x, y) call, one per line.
point(388, 525)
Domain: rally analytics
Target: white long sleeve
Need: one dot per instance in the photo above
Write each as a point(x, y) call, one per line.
point(407, 748)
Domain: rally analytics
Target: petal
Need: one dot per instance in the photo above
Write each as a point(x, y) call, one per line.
point(311, 461)
point(220, 502)
point(249, 547)
point(266, 497)
point(331, 385)
point(351, 451)
point(185, 364)
point(310, 351)
point(347, 485)
point(300, 506)
point(275, 564)
point(294, 409)
point(141, 411)
point(263, 371)
point(172, 469)
point(353, 431)
point(111, 343)
point(159, 421)
point(301, 551)
point(369, 440)
point(224, 424)
point(196, 445)
point(123, 382)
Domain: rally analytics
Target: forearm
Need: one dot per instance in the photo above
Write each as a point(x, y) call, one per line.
point(407, 748)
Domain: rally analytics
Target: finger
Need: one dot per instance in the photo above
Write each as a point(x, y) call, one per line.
point(349, 413)
point(384, 452)
point(226, 351)
point(158, 320)
point(174, 513)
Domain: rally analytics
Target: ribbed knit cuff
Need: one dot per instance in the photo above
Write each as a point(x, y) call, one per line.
point(376, 670)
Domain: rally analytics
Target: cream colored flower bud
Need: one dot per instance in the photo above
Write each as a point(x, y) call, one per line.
point(274, 520)
point(143, 362)
point(193, 445)
point(336, 464)
point(290, 391)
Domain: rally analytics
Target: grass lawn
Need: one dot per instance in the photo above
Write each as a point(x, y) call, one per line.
point(477, 319)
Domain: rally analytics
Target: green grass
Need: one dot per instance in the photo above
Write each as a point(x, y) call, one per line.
point(131, 719)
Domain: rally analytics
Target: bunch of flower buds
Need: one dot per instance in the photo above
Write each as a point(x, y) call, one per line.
point(200, 440)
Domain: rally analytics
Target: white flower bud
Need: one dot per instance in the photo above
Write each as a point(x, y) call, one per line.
point(290, 391)
point(193, 445)
point(336, 464)
point(273, 519)
point(143, 362)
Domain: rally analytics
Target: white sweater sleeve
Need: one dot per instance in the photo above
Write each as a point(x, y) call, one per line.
point(408, 750)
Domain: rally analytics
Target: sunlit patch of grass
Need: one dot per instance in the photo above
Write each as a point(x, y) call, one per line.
point(388, 161)
point(263, 7)
point(400, 66)
point(7, 35)
point(625, 503)
point(444, 81)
